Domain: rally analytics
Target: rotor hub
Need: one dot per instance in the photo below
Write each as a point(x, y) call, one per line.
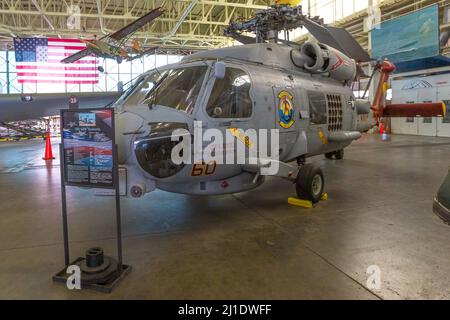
point(269, 22)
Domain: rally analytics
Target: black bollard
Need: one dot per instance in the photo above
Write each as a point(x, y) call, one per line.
point(94, 257)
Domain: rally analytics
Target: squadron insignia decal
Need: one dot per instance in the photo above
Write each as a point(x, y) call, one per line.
point(286, 109)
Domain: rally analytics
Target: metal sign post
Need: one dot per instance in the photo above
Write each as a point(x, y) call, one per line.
point(118, 215)
point(64, 209)
point(89, 159)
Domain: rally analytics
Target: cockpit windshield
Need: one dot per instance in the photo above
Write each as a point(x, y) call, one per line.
point(139, 90)
point(175, 88)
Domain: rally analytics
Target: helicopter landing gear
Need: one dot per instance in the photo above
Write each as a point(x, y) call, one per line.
point(310, 183)
point(301, 161)
point(119, 60)
point(339, 155)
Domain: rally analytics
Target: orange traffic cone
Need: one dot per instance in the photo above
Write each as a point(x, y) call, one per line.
point(48, 148)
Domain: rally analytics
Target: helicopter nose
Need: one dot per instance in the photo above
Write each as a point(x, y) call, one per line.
point(128, 125)
point(154, 151)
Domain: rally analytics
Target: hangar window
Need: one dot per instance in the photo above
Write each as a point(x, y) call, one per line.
point(317, 107)
point(230, 96)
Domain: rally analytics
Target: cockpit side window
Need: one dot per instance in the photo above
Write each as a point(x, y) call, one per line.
point(317, 107)
point(230, 96)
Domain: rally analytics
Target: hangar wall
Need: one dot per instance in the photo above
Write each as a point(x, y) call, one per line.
point(433, 88)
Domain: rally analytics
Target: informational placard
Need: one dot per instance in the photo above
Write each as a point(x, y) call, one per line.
point(88, 147)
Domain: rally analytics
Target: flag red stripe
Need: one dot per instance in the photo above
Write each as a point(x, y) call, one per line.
point(68, 54)
point(63, 67)
point(66, 47)
point(71, 75)
point(76, 62)
point(58, 81)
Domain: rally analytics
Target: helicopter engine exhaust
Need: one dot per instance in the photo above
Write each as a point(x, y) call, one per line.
point(325, 59)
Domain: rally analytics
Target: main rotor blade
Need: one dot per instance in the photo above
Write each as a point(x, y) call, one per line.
point(243, 39)
point(349, 44)
point(137, 24)
point(338, 38)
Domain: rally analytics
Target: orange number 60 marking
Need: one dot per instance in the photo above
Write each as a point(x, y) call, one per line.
point(205, 169)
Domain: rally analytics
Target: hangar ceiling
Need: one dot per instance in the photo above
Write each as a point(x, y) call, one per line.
point(195, 24)
point(187, 24)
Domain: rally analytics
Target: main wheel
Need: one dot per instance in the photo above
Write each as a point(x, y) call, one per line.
point(310, 183)
point(339, 154)
point(329, 155)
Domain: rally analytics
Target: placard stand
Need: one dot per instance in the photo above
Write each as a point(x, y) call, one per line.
point(109, 276)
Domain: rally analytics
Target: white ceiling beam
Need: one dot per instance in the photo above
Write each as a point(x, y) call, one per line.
point(42, 14)
point(100, 16)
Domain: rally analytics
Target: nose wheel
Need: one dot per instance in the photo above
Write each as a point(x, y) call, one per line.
point(310, 184)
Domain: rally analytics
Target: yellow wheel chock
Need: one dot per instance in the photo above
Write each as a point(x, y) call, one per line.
point(305, 203)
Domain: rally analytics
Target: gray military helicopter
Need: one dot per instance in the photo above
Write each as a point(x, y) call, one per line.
point(303, 90)
point(441, 205)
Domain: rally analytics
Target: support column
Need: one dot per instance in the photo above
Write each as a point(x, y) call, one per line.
point(8, 90)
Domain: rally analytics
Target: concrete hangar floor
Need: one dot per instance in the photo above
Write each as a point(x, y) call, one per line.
point(245, 246)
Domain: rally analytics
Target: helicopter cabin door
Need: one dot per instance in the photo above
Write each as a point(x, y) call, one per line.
point(288, 110)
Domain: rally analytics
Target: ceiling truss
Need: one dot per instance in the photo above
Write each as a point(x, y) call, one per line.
point(186, 24)
point(193, 24)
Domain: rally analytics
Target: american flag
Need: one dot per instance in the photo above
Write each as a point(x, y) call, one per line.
point(38, 61)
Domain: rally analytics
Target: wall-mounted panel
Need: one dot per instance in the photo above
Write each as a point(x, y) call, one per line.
point(407, 38)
